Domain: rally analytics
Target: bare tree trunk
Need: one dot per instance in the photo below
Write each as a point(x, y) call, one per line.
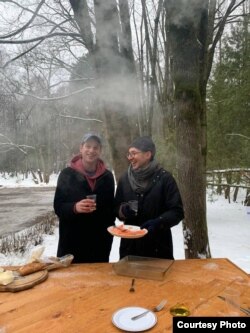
point(152, 54)
point(116, 78)
point(113, 61)
point(184, 31)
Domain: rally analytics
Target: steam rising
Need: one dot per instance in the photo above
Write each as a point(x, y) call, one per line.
point(185, 12)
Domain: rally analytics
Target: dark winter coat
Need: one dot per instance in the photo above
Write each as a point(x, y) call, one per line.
point(84, 235)
point(161, 200)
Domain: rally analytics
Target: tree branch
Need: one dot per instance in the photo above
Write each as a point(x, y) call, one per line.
point(26, 41)
point(240, 135)
point(21, 54)
point(80, 118)
point(26, 24)
point(17, 146)
point(56, 98)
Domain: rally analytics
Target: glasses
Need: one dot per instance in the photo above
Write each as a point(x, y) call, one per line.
point(133, 153)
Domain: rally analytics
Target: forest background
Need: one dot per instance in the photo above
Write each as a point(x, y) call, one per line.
point(177, 70)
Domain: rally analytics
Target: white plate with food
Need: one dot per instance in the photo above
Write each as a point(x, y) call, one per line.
point(122, 319)
point(127, 231)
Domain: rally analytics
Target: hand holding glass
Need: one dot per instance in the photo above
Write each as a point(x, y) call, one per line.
point(133, 204)
point(92, 197)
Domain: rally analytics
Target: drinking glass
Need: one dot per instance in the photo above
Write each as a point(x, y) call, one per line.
point(91, 196)
point(134, 205)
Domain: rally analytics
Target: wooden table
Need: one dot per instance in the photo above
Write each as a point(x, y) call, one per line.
point(82, 298)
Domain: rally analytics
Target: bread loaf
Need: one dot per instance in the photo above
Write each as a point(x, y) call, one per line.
point(31, 268)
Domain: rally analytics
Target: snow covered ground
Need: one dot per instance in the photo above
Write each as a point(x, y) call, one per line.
point(228, 228)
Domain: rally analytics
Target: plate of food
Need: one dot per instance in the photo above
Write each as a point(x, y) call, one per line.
point(127, 231)
point(122, 319)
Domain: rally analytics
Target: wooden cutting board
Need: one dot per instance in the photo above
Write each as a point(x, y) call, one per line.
point(25, 282)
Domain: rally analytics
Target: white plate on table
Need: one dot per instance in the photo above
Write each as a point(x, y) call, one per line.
point(122, 319)
point(128, 231)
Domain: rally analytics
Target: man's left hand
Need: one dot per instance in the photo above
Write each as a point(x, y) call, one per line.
point(151, 225)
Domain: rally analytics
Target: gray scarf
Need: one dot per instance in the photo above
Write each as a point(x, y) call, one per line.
point(141, 178)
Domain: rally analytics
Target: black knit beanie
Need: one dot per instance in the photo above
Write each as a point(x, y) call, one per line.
point(144, 143)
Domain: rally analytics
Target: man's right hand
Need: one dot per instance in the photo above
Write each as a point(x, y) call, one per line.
point(85, 206)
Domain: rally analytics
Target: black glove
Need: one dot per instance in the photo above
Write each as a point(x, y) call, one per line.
point(151, 225)
point(126, 211)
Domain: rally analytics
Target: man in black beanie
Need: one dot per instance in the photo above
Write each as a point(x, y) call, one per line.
point(159, 202)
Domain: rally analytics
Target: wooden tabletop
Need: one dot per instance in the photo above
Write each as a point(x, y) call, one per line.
point(83, 298)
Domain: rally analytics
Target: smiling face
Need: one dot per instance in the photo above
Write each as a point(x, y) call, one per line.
point(137, 158)
point(90, 151)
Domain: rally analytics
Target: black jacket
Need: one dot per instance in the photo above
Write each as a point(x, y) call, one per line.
point(84, 235)
point(161, 200)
